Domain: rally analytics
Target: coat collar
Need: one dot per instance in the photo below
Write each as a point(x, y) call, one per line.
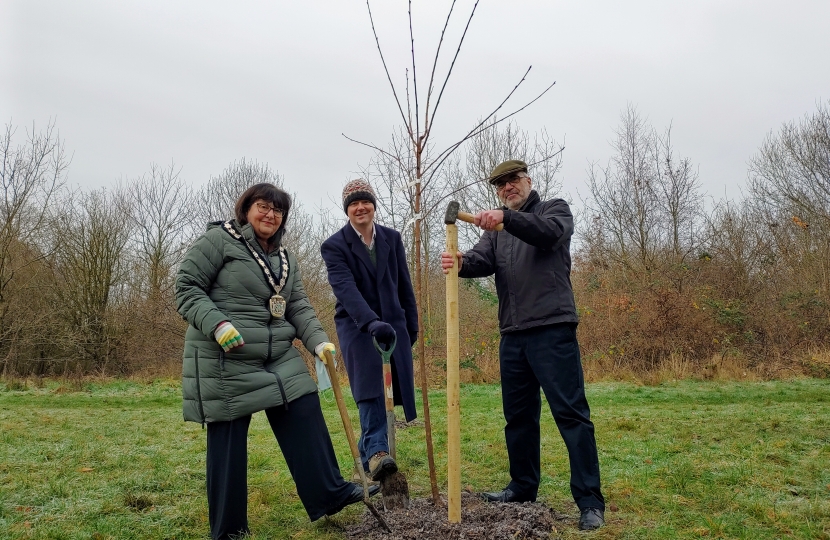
point(382, 249)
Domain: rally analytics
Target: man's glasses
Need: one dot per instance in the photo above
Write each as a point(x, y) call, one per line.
point(264, 209)
point(502, 183)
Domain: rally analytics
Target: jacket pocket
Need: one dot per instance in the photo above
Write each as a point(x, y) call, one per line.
point(198, 386)
point(221, 360)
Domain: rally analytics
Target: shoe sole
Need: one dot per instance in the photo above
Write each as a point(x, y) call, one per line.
point(356, 480)
point(519, 501)
point(386, 467)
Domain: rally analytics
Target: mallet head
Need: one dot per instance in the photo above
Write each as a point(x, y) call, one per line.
point(451, 214)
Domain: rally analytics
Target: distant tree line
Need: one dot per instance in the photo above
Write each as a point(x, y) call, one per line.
point(664, 275)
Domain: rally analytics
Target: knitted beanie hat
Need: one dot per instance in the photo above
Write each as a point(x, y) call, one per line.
point(358, 190)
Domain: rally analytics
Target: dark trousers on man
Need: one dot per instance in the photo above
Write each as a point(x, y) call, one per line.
point(373, 433)
point(303, 437)
point(547, 357)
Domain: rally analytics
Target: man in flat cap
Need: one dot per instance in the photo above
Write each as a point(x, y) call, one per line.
point(531, 260)
point(367, 271)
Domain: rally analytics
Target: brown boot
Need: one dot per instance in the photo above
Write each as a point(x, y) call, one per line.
point(356, 479)
point(381, 464)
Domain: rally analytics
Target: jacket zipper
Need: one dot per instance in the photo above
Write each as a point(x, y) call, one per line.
point(276, 375)
point(270, 337)
point(199, 388)
point(282, 390)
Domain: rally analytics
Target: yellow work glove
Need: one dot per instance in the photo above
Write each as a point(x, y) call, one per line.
point(323, 380)
point(320, 351)
point(227, 336)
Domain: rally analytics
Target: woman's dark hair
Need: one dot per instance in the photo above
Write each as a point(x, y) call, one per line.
point(265, 192)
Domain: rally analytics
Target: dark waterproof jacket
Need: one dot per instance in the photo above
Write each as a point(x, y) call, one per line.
point(217, 281)
point(366, 292)
point(531, 258)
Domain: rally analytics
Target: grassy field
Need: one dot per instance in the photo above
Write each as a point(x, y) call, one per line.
point(679, 460)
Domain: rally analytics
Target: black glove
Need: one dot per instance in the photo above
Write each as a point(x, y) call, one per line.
point(381, 331)
point(413, 339)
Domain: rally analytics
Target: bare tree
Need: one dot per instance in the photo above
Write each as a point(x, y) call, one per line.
point(791, 171)
point(216, 199)
point(30, 176)
point(31, 173)
point(162, 213)
point(422, 166)
point(91, 235)
point(789, 181)
point(646, 202)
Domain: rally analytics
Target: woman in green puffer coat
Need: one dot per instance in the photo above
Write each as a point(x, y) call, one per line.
point(239, 359)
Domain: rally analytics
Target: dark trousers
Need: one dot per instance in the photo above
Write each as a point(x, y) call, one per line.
point(303, 437)
point(547, 357)
point(373, 434)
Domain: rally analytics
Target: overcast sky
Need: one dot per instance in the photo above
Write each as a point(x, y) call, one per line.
point(202, 83)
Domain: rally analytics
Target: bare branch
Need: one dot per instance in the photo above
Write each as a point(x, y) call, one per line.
point(389, 77)
point(408, 104)
point(452, 65)
point(373, 147)
point(474, 182)
point(478, 128)
point(436, 164)
point(435, 64)
point(414, 76)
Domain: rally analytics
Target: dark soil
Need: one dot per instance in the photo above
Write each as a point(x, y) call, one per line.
point(479, 521)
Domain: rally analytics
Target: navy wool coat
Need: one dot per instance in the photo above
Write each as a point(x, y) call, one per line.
point(364, 293)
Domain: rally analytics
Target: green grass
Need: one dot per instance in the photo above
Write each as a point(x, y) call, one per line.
point(679, 460)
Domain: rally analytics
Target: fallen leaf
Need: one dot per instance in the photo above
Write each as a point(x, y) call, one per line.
point(85, 469)
point(648, 461)
point(24, 509)
point(613, 507)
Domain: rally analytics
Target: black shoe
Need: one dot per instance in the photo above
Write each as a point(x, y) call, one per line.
point(591, 519)
point(374, 488)
point(354, 497)
point(505, 496)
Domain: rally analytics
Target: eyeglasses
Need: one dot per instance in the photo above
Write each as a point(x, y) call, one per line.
point(502, 183)
point(264, 209)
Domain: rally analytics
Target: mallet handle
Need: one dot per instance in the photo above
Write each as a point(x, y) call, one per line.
point(469, 218)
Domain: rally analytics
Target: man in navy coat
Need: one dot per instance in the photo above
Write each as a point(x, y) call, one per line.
point(367, 271)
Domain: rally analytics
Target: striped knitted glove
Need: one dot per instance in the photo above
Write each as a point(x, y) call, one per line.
point(227, 336)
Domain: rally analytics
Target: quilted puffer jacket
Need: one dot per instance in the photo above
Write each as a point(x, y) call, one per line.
point(219, 280)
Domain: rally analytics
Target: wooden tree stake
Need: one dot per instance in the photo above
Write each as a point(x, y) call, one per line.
point(453, 400)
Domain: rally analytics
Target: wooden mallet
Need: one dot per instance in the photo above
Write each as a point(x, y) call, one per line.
point(453, 210)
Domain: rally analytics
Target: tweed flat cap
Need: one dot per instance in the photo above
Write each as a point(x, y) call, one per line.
point(506, 167)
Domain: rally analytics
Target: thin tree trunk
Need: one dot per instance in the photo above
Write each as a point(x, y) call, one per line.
point(433, 480)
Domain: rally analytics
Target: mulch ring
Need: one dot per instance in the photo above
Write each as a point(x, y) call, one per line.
point(479, 521)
